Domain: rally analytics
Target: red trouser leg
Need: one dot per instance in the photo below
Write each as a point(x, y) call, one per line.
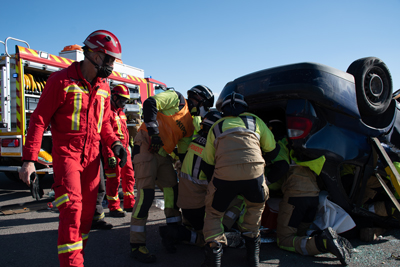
point(75, 193)
point(128, 183)
point(112, 185)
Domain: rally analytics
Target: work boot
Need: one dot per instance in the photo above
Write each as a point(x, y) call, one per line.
point(142, 254)
point(253, 250)
point(329, 241)
point(117, 213)
point(169, 235)
point(128, 209)
point(101, 225)
point(213, 253)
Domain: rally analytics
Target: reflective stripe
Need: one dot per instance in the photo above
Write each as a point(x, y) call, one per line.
point(173, 219)
point(102, 93)
point(111, 175)
point(129, 193)
point(69, 247)
point(77, 111)
point(61, 200)
point(196, 166)
point(73, 88)
point(138, 228)
point(193, 180)
point(119, 131)
point(230, 214)
point(233, 130)
point(100, 122)
point(303, 244)
point(112, 198)
point(99, 217)
point(85, 236)
point(193, 237)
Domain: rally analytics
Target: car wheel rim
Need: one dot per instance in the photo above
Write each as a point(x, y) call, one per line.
point(374, 88)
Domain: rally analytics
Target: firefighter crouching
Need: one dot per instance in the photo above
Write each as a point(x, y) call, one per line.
point(167, 123)
point(299, 205)
point(114, 173)
point(234, 145)
point(76, 102)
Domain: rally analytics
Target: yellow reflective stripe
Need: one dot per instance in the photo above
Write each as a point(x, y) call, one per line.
point(112, 198)
point(69, 247)
point(111, 175)
point(77, 111)
point(123, 117)
point(98, 217)
point(139, 206)
point(121, 135)
point(129, 193)
point(99, 124)
point(61, 200)
point(73, 88)
point(85, 236)
point(102, 93)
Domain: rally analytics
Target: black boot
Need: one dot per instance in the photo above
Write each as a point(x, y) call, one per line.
point(213, 254)
point(253, 250)
point(329, 241)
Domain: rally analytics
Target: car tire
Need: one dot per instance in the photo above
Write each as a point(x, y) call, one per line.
point(373, 85)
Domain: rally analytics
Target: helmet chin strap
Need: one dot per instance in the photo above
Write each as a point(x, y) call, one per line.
point(103, 70)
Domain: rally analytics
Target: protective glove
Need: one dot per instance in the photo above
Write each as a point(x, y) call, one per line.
point(120, 152)
point(155, 143)
point(112, 162)
point(36, 191)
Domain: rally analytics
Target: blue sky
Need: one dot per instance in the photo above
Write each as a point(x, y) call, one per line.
point(184, 43)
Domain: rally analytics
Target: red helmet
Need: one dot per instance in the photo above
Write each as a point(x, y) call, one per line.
point(104, 41)
point(121, 90)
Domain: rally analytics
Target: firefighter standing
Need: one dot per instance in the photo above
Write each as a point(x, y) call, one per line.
point(76, 103)
point(115, 174)
point(167, 122)
point(234, 145)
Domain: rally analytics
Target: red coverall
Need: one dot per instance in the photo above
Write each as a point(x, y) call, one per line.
point(79, 114)
point(126, 174)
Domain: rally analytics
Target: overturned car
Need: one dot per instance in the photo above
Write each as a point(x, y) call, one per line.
point(332, 113)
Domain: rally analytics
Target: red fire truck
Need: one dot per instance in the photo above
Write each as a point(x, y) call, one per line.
point(23, 76)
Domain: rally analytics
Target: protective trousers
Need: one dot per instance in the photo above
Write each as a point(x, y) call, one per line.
point(219, 196)
point(124, 175)
point(297, 211)
point(99, 211)
point(151, 170)
point(76, 191)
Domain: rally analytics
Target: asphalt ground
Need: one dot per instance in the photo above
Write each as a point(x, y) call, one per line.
point(28, 237)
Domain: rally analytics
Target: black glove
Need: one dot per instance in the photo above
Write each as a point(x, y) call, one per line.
point(36, 191)
point(120, 152)
point(155, 143)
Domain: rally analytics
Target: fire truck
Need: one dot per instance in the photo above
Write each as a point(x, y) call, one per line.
point(23, 76)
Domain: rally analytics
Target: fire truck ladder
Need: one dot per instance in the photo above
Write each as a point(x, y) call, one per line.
point(5, 124)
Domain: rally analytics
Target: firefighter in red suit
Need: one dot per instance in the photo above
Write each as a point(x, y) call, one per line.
point(76, 102)
point(115, 174)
